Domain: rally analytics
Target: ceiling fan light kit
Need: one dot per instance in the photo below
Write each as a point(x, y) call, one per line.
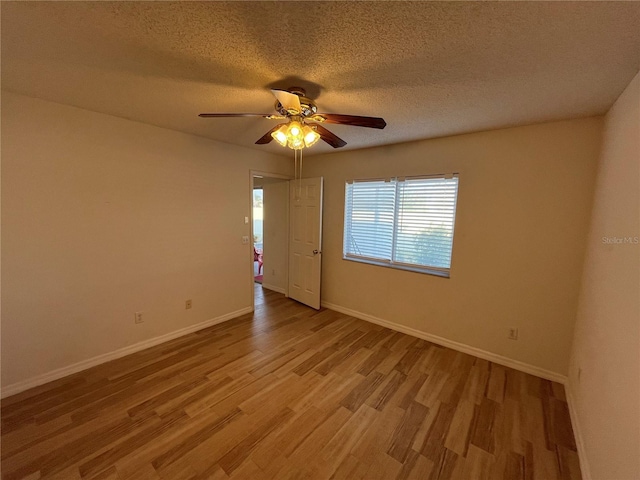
point(296, 134)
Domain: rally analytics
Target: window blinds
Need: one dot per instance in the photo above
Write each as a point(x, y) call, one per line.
point(401, 221)
point(370, 212)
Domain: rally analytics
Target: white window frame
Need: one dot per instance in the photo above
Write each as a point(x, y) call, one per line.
point(430, 270)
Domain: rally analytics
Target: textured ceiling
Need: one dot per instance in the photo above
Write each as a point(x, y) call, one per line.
point(429, 68)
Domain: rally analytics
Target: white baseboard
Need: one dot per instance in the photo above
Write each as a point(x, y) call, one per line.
point(106, 357)
point(274, 288)
point(577, 432)
point(460, 347)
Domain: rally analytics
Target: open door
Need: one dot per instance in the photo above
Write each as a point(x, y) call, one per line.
point(305, 240)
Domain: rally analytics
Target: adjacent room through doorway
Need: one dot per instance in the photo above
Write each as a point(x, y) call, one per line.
point(258, 215)
point(270, 232)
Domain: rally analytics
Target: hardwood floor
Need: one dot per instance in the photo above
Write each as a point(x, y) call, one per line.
point(291, 393)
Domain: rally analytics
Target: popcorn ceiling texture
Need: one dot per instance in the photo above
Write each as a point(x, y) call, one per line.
point(429, 68)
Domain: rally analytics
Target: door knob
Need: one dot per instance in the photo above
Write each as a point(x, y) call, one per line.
point(316, 252)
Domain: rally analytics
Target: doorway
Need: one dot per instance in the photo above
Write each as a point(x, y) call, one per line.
point(269, 234)
point(258, 233)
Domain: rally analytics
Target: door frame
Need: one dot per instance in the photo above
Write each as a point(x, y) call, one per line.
point(287, 178)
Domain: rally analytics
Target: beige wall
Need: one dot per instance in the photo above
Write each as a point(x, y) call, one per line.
point(522, 217)
point(103, 217)
point(276, 236)
point(606, 348)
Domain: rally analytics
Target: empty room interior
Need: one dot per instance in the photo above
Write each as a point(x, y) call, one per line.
point(320, 240)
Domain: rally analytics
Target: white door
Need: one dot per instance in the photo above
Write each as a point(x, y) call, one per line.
point(305, 240)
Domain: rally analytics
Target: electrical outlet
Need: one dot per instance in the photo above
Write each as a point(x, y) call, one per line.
point(138, 317)
point(187, 304)
point(513, 333)
point(245, 239)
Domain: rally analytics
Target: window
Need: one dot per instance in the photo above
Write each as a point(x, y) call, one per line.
point(404, 223)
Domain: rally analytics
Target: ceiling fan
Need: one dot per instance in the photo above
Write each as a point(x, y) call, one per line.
point(302, 127)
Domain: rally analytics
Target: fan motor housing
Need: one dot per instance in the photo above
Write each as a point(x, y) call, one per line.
point(308, 106)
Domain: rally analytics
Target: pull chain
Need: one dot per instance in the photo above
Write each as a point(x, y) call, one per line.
point(297, 176)
point(300, 179)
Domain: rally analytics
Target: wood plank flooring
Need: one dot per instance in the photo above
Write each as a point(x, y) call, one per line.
point(291, 393)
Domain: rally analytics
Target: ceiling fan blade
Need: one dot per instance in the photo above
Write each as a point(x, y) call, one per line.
point(290, 101)
point(330, 138)
point(221, 115)
point(266, 138)
point(353, 120)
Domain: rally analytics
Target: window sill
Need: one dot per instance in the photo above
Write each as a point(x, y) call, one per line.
point(400, 266)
